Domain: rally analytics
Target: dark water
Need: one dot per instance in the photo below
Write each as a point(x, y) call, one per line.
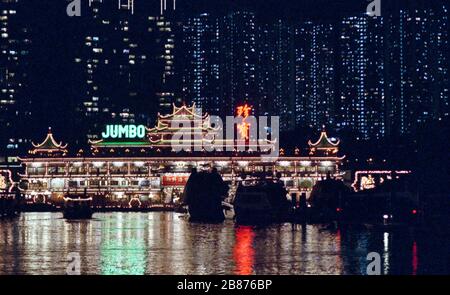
point(166, 243)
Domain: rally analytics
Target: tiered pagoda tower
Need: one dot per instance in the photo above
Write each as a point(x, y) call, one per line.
point(187, 123)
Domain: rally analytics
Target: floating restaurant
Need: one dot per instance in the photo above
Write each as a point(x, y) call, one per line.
point(137, 164)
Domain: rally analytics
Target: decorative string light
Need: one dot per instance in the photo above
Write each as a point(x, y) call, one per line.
point(376, 172)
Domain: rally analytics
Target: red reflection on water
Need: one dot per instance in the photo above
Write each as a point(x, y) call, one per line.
point(243, 252)
point(338, 247)
point(415, 258)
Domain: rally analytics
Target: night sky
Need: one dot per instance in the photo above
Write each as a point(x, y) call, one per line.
point(56, 37)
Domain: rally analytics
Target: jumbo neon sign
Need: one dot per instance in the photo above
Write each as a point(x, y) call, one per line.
point(124, 131)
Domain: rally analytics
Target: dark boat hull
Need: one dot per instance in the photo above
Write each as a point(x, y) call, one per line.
point(77, 214)
point(78, 208)
point(258, 205)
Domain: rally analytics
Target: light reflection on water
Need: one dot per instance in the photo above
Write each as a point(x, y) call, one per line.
point(166, 243)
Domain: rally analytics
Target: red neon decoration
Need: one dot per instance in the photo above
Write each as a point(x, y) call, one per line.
point(414, 211)
point(244, 128)
point(244, 111)
point(176, 180)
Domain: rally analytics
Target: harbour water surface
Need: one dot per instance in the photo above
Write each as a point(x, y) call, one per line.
point(167, 243)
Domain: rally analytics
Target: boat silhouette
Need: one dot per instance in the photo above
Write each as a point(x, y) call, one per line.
point(77, 207)
point(261, 201)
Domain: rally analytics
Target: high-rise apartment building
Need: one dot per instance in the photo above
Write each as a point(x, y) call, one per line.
point(361, 103)
point(15, 97)
point(315, 75)
point(127, 62)
point(202, 76)
point(418, 67)
point(239, 61)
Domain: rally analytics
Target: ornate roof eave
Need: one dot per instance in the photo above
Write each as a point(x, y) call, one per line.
point(183, 118)
point(155, 141)
point(51, 142)
point(157, 129)
point(49, 151)
point(323, 139)
point(177, 110)
point(94, 142)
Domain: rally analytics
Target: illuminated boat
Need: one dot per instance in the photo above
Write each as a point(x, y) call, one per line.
point(126, 163)
point(77, 207)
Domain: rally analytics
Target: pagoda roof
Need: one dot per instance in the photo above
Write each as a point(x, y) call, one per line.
point(180, 115)
point(324, 142)
point(49, 144)
point(183, 111)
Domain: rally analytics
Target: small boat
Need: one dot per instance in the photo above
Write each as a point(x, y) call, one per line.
point(206, 210)
point(260, 202)
point(252, 207)
point(77, 207)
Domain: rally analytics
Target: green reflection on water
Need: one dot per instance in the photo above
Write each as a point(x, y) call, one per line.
point(123, 249)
